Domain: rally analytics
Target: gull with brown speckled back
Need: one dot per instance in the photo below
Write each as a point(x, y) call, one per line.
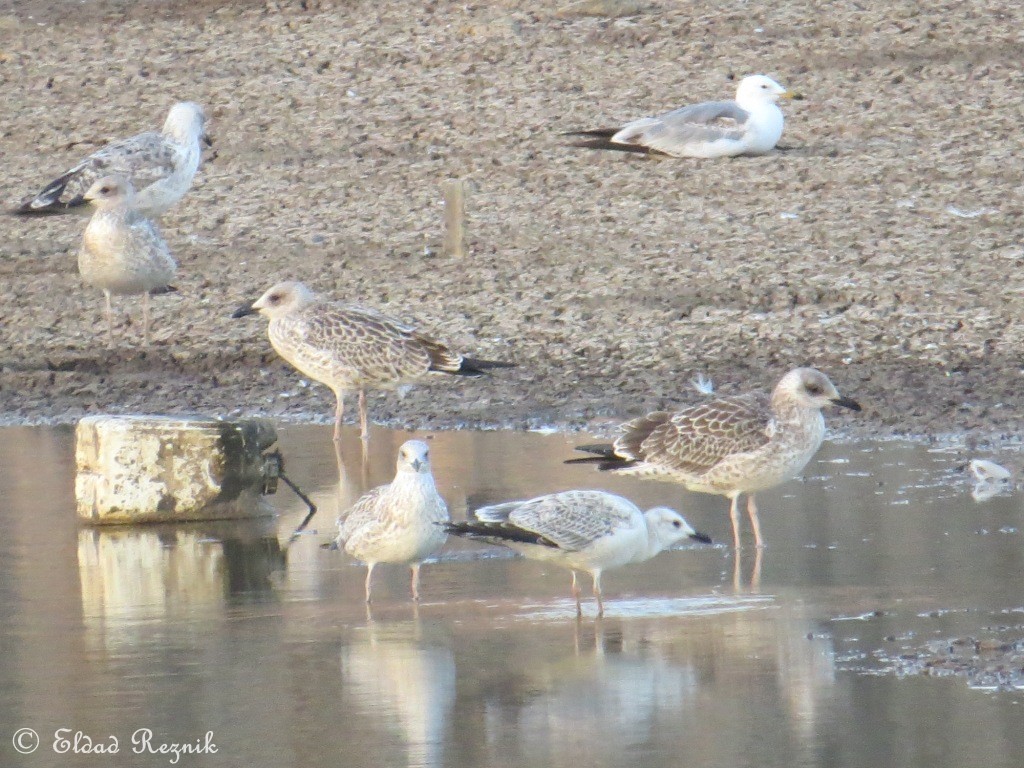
point(729, 445)
point(349, 347)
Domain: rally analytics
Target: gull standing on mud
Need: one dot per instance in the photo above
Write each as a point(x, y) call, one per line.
point(729, 445)
point(160, 165)
point(122, 252)
point(348, 347)
point(590, 531)
point(400, 522)
point(750, 125)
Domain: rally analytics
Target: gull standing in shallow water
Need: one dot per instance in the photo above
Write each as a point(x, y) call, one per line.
point(122, 252)
point(400, 522)
point(750, 125)
point(160, 165)
point(590, 531)
point(729, 445)
point(349, 347)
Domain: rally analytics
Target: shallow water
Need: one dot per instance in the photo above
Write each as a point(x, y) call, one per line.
point(784, 660)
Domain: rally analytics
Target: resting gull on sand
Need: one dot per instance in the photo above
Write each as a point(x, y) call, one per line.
point(750, 125)
point(400, 522)
point(122, 251)
point(349, 347)
point(590, 531)
point(728, 445)
point(160, 166)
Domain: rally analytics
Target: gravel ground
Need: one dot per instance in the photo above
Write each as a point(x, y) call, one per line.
point(994, 662)
point(876, 246)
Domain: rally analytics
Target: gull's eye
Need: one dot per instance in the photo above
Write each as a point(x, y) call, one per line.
point(275, 298)
point(676, 524)
point(814, 389)
point(104, 190)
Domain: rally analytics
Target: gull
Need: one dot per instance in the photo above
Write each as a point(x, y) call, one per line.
point(590, 531)
point(160, 166)
point(123, 252)
point(400, 522)
point(986, 471)
point(349, 347)
point(750, 125)
point(728, 445)
point(991, 479)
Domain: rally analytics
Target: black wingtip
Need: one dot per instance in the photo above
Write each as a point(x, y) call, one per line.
point(473, 367)
point(604, 457)
point(497, 533)
point(49, 201)
point(585, 460)
point(607, 450)
point(164, 290)
point(604, 464)
point(27, 210)
point(595, 133)
point(608, 145)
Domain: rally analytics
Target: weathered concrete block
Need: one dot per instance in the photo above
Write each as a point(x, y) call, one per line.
point(135, 469)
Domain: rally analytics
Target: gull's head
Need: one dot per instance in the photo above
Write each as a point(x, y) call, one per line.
point(759, 89)
point(279, 301)
point(669, 527)
point(186, 122)
point(810, 388)
point(414, 457)
point(110, 191)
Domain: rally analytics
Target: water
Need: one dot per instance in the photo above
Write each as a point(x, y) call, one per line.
point(786, 661)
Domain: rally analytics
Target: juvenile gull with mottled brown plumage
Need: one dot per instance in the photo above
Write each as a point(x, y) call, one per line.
point(350, 347)
point(728, 445)
point(160, 165)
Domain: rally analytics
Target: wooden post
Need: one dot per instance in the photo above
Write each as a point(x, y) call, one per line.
point(455, 217)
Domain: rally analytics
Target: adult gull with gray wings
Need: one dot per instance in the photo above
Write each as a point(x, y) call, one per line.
point(749, 125)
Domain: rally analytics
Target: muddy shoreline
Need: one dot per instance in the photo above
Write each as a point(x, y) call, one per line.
point(880, 246)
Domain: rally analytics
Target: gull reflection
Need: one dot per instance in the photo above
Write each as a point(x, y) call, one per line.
point(623, 687)
point(755, 571)
point(404, 682)
point(596, 705)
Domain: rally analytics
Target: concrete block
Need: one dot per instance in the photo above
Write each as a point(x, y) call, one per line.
point(135, 469)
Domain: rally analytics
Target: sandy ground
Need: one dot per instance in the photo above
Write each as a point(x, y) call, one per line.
point(882, 246)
